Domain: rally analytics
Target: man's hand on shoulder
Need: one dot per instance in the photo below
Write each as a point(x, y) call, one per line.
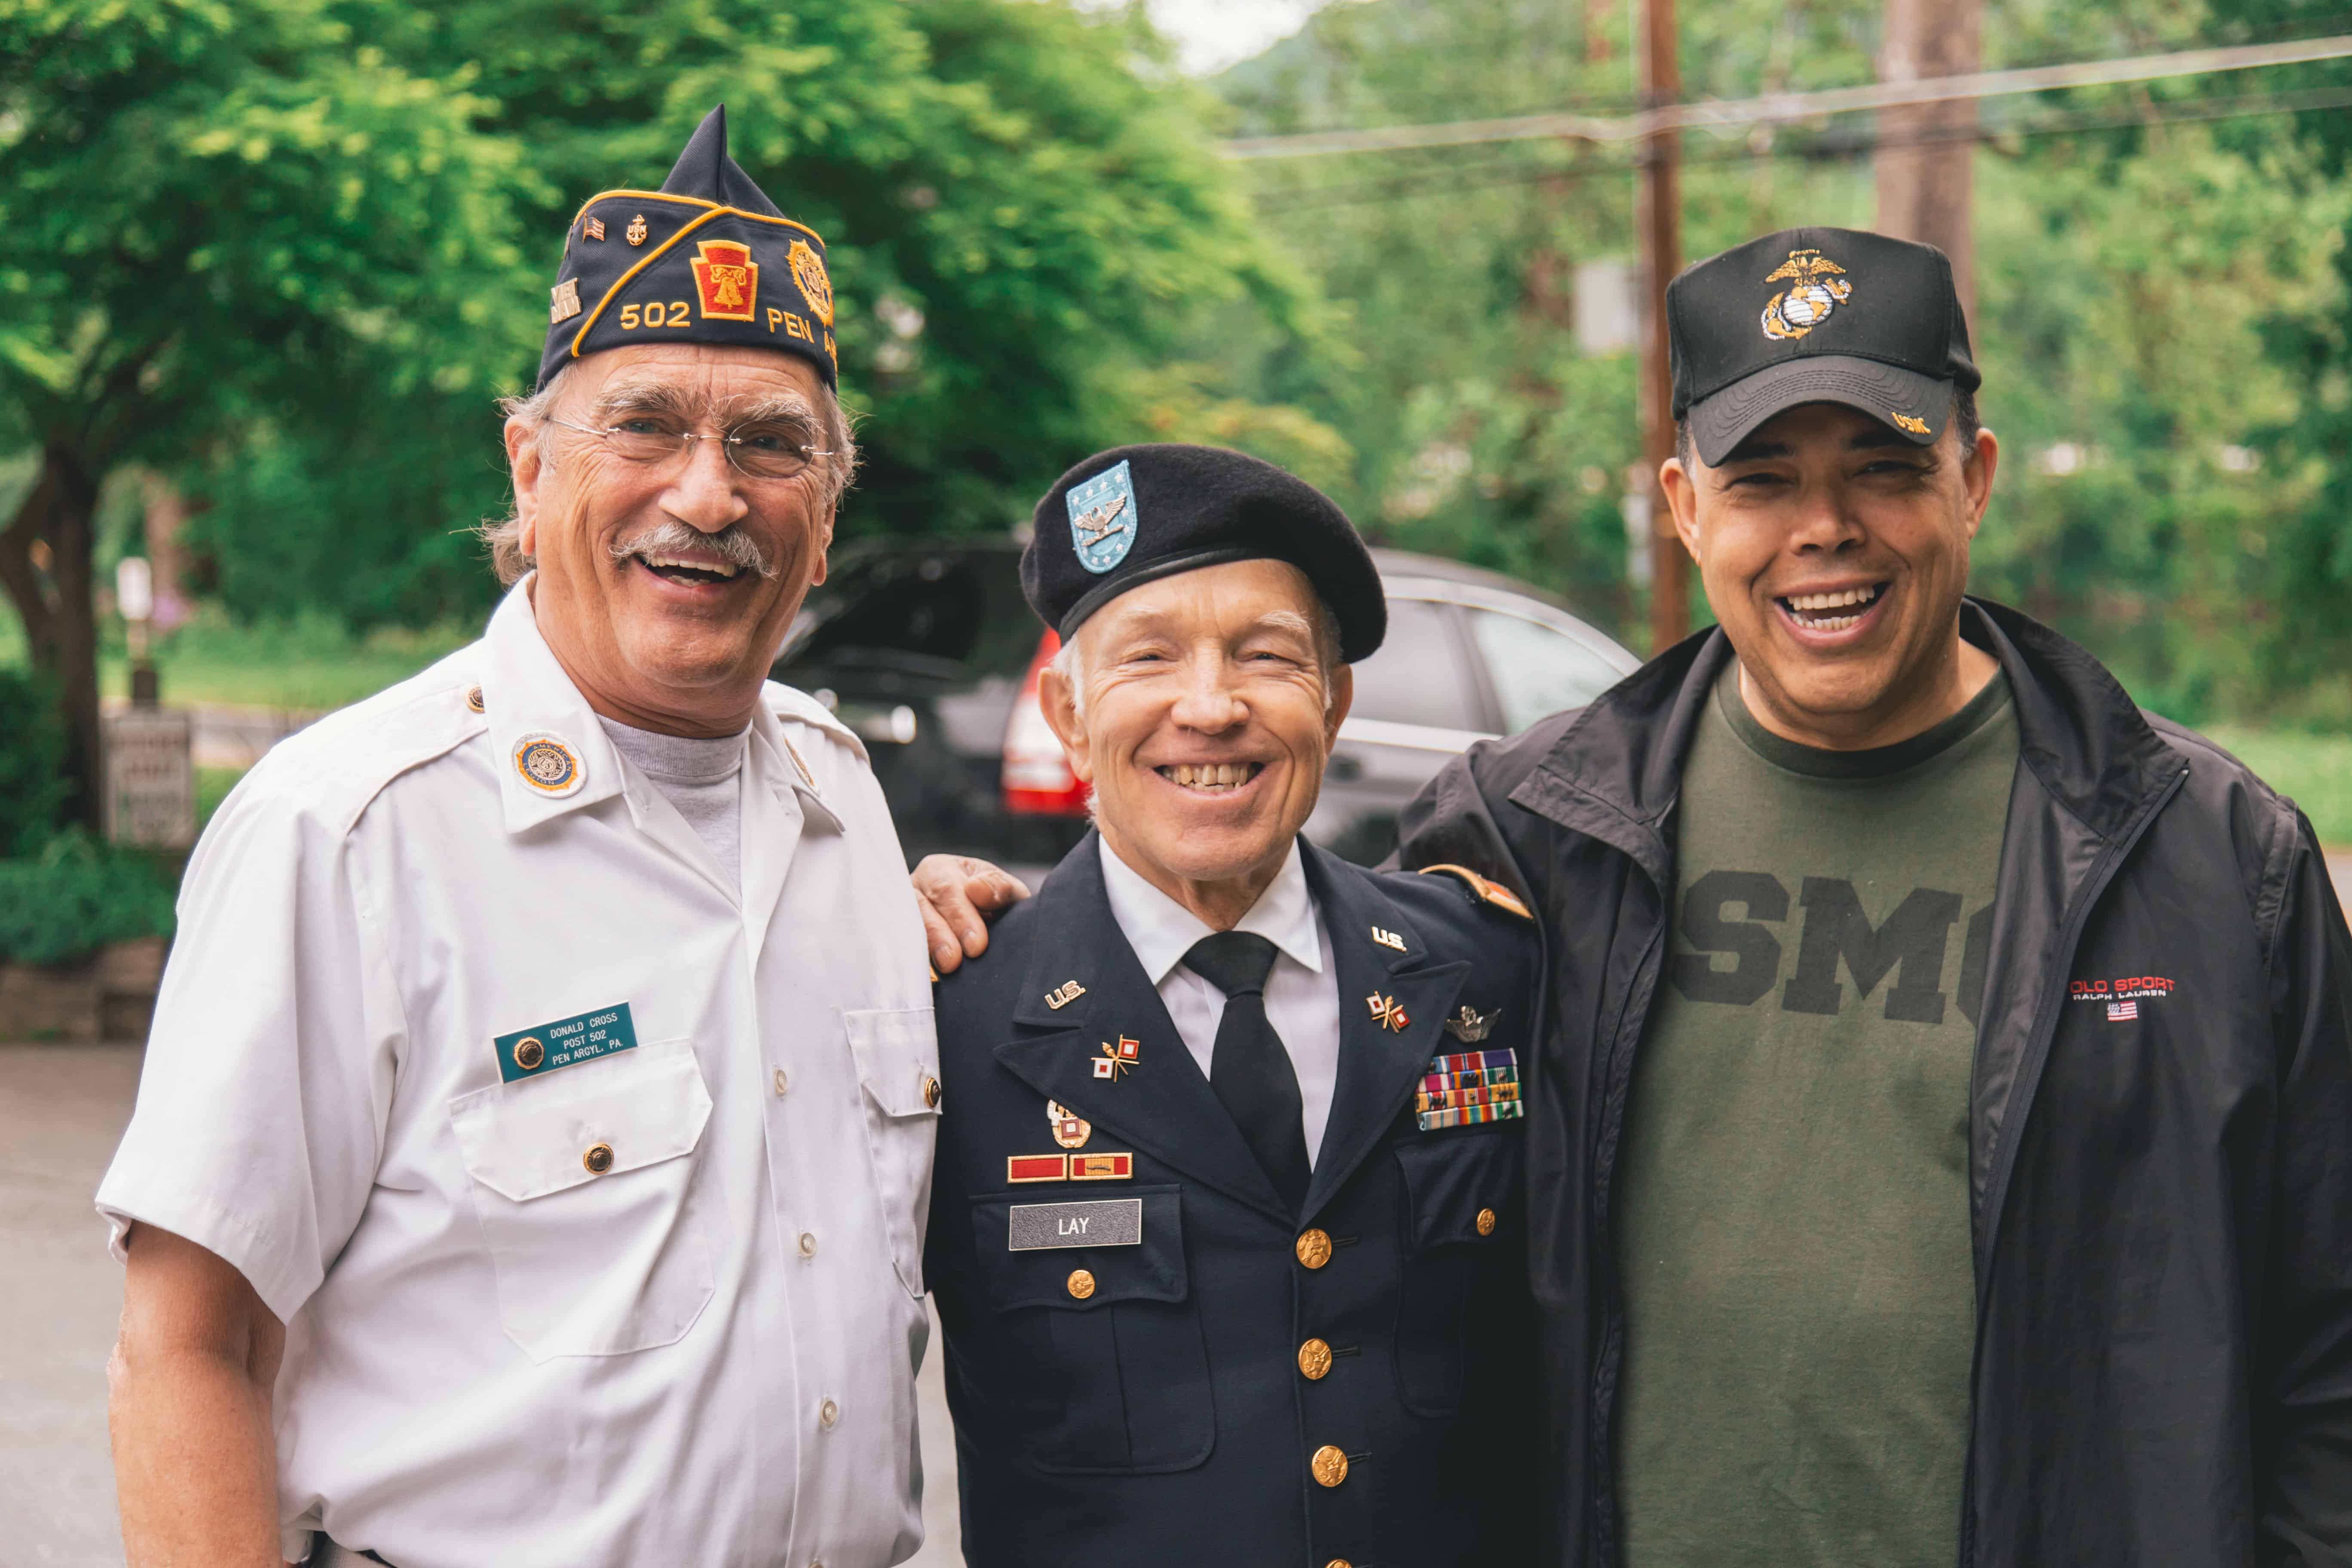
point(958, 896)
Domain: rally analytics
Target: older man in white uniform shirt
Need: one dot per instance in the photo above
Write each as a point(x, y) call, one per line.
point(531, 1158)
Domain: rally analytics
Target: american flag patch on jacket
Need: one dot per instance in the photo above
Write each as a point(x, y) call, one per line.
point(1468, 1088)
point(2122, 1012)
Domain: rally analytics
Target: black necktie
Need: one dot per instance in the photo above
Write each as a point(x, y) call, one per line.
point(1249, 1068)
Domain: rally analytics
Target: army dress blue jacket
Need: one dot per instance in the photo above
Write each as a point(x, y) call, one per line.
point(1194, 1374)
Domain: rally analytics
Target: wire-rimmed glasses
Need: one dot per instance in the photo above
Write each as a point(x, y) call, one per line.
point(759, 448)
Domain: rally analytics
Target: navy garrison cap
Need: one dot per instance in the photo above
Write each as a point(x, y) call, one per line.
point(1135, 515)
point(706, 259)
point(1817, 315)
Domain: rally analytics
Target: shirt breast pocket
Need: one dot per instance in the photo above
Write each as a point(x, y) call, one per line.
point(582, 1182)
point(897, 1055)
point(1461, 1202)
point(1099, 1352)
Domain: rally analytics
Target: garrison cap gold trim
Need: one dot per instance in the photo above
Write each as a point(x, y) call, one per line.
point(750, 275)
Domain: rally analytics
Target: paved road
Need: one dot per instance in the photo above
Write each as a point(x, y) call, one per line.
point(62, 1109)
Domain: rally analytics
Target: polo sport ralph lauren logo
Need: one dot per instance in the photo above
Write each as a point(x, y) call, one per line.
point(1733, 914)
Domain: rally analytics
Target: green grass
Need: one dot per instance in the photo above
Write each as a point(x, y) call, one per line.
point(2315, 770)
point(311, 664)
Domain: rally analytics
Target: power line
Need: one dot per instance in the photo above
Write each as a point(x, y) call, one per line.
point(1780, 108)
point(1497, 174)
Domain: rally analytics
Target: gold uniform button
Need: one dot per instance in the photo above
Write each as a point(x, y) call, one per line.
point(528, 1053)
point(474, 697)
point(599, 1159)
point(1329, 1465)
point(1314, 1360)
point(1338, 1563)
point(1314, 1248)
point(1082, 1284)
point(1486, 1222)
point(931, 1093)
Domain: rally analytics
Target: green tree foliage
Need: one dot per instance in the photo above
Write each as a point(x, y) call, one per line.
point(1020, 218)
point(216, 214)
point(2171, 493)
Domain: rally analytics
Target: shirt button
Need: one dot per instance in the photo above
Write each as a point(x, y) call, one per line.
point(1329, 1465)
point(1314, 1360)
point(781, 1083)
point(598, 1159)
point(1314, 1248)
point(828, 1412)
point(808, 1244)
point(1486, 1222)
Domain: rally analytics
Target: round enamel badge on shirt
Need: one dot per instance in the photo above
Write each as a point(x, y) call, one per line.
point(547, 764)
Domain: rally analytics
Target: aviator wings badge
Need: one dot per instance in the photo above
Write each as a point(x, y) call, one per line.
point(1103, 518)
point(1471, 1027)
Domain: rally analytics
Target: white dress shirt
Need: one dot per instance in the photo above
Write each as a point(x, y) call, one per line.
point(659, 1305)
point(1302, 997)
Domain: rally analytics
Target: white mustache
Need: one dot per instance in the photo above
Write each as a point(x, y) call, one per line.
point(731, 544)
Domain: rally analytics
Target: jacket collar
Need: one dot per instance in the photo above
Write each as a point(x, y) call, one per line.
point(1616, 772)
point(528, 700)
point(1163, 1104)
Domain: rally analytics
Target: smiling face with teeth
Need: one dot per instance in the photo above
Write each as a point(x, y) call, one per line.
point(1203, 715)
point(1835, 553)
point(665, 589)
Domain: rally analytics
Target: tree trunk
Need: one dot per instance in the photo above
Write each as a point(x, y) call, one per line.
point(47, 566)
point(1927, 152)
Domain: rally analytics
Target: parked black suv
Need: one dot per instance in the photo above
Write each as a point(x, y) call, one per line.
point(927, 649)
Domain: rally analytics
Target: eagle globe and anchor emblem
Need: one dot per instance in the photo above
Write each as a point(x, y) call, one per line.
point(1816, 287)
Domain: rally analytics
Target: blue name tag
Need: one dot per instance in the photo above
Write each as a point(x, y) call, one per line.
point(585, 1036)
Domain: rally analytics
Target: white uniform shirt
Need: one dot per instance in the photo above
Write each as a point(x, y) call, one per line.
point(1302, 997)
point(703, 1355)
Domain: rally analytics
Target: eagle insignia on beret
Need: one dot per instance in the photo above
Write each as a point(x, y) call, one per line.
point(1103, 518)
point(728, 279)
point(808, 271)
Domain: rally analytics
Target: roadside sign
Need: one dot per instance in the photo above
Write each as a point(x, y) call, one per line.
point(151, 784)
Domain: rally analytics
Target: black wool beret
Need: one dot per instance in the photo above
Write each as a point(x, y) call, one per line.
point(708, 258)
point(1135, 515)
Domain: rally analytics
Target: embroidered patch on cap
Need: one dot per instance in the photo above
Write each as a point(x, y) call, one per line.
point(547, 765)
point(1816, 287)
point(1103, 519)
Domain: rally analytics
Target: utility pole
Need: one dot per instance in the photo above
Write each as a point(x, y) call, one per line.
point(1658, 215)
point(1926, 155)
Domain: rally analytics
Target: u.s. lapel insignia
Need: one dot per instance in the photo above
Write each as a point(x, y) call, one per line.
point(1388, 938)
point(547, 765)
point(1470, 1026)
point(1386, 1012)
point(1116, 1059)
point(564, 301)
point(635, 233)
point(1070, 1131)
point(1061, 995)
point(593, 228)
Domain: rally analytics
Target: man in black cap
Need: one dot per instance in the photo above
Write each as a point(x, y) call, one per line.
point(1226, 1228)
point(1945, 1073)
point(534, 1139)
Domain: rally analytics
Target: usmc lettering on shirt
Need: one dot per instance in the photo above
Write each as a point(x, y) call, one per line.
point(1742, 915)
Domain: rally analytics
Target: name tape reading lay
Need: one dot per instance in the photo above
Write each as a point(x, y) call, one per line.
point(585, 1036)
point(1107, 1221)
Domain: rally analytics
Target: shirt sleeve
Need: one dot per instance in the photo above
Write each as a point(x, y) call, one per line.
point(269, 1067)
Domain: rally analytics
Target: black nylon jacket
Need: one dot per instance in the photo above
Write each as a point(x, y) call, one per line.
point(2161, 1205)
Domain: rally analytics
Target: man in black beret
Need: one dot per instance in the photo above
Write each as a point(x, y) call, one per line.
point(1225, 1226)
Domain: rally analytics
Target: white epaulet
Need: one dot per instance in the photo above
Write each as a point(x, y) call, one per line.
point(791, 705)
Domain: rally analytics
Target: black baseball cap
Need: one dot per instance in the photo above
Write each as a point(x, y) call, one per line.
point(1817, 315)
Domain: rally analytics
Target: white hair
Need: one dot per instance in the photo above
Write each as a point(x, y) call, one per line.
point(1070, 664)
point(504, 536)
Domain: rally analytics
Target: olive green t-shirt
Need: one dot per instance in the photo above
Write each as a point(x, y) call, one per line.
point(1792, 1197)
